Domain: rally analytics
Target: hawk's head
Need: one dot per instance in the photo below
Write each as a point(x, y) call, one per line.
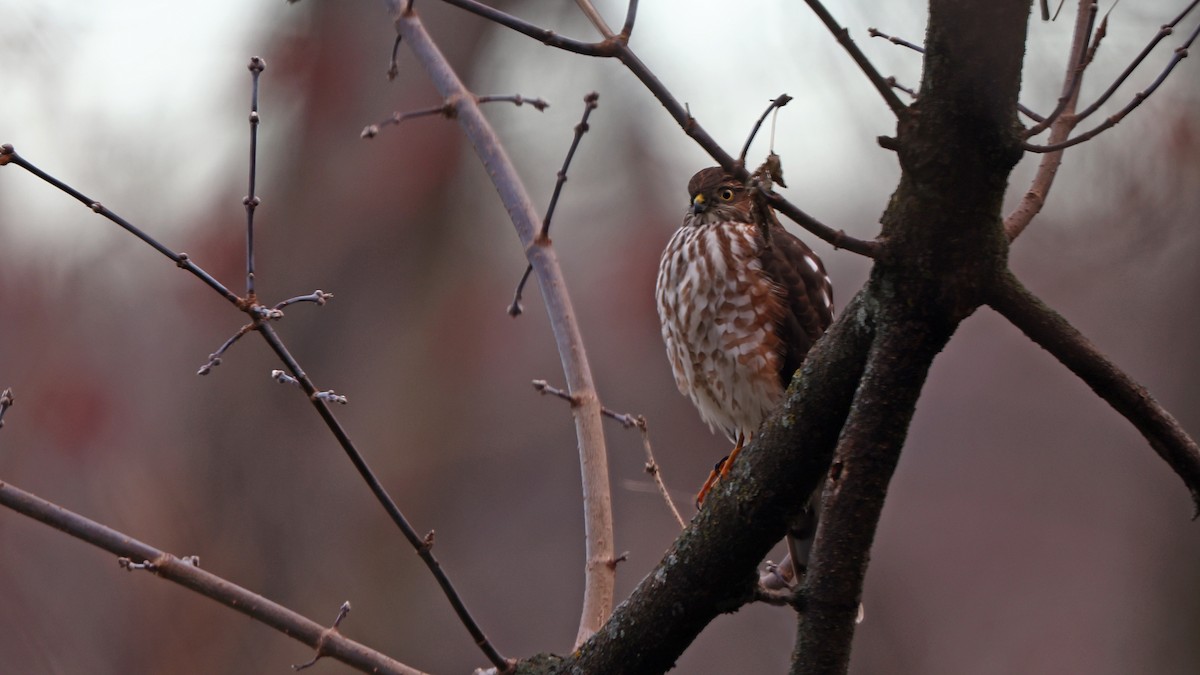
point(717, 197)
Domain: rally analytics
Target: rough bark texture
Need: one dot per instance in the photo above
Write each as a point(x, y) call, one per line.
point(945, 247)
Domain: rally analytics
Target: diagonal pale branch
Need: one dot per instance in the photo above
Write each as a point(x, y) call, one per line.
point(327, 642)
point(1060, 128)
point(1056, 335)
point(600, 572)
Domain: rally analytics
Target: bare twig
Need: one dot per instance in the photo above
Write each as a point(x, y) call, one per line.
point(921, 50)
point(843, 37)
point(9, 155)
point(1056, 335)
point(628, 421)
point(874, 32)
point(776, 103)
point(1078, 63)
point(252, 201)
point(545, 388)
point(1060, 128)
point(599, 576)
point(447, 110)
point(656, 473)
point(1165, 30)
point(343, 612)
point(214, 359)
point(381, 495)
point(589, 10)
point(1138, 98)
point(317, 297)
point(189, 575)
point(590, 102)
point(393, 64)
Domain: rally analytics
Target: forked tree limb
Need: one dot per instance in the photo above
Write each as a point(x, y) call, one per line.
point(866, 458)
point(1056, 335)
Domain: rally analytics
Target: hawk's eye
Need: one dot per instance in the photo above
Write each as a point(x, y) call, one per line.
point(726, 194)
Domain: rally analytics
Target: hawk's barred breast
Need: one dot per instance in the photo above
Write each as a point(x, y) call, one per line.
point(739, 311)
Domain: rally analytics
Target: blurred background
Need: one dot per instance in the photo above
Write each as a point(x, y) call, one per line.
point(1029, 528)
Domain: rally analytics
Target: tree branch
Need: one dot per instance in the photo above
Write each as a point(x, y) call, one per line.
point(327, 642)
point(843, 37)
point(1181, 52)
point(600, 573)
point(619, 49)
point(258, 321)
point(1062, 122)
point(866, 458)
point(1056, 335)
point(711, 568)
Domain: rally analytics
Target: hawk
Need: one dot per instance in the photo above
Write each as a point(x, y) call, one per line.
point(741, 301)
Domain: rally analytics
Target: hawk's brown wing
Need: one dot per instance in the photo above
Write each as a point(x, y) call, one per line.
point(807, 295)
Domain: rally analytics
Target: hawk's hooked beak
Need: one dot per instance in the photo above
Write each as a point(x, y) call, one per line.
point(699, 205)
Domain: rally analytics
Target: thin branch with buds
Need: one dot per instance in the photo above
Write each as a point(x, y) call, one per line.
point(590, 102)
point(1138, 99)
point(252, 201)
point(187, 573)
point(628, 421)
point(447, 110)
point(260, 317)
point(1163, 31)
point(1181, 53)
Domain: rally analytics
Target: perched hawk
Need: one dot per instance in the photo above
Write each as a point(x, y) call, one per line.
point(741, 302)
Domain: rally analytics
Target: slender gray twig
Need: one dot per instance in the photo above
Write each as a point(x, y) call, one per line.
point(590, 102)
point(1079, 56)
point(1165, 30)
point(628, 421)
point(776, 103)
point(1138, 99)
point(252, 201)
point(447, 110)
